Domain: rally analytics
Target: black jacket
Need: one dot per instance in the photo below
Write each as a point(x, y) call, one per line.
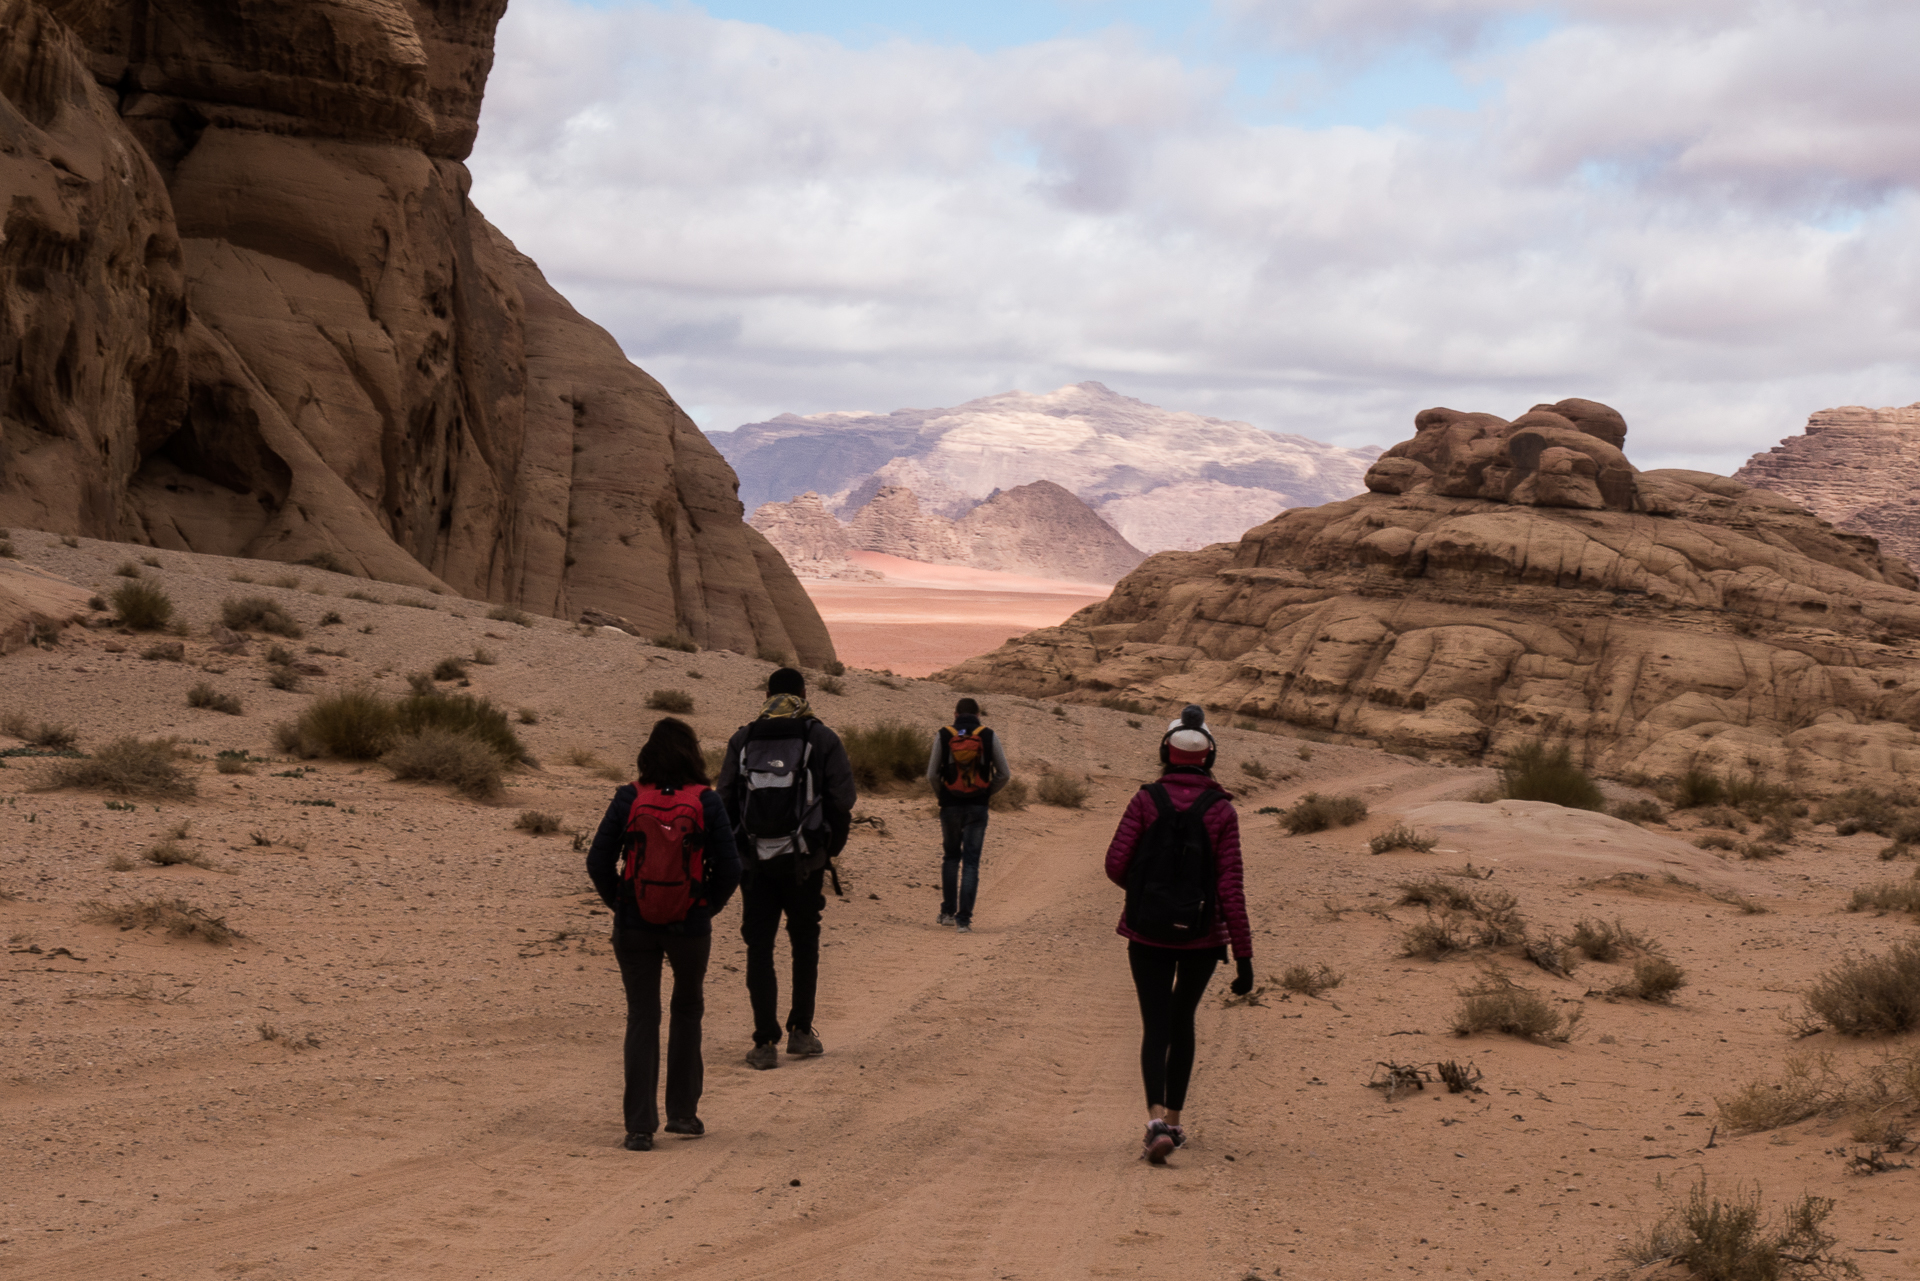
point(720, 859)
point(832, 783)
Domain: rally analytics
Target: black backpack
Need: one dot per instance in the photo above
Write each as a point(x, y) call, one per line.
point(1173, 887)
point(776, 779)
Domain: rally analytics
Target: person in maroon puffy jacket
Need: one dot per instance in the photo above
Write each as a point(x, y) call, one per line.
point(1171, 977)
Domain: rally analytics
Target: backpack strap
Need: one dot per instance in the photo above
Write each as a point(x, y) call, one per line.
point(1161, 801)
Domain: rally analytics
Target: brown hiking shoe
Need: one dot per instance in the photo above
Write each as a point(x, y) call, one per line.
point(803, 1044)
point(763, 1057)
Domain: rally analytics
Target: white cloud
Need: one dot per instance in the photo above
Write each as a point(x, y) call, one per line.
point(1703, 214)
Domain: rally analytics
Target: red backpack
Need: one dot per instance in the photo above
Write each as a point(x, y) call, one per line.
point(666, 836)
point(966, 761)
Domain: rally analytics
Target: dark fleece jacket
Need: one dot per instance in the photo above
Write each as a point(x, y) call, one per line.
point(721, 860)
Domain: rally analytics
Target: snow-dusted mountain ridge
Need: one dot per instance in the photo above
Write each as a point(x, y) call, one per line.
point(1163, 478)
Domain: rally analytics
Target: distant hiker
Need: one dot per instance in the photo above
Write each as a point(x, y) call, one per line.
point(1177, 853)
point(789, 792)
point(967, 766)
point(664, 860)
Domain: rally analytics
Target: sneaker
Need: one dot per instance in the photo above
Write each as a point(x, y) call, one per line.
point(946, 918)
point(963, 929)
point(1158, 1143)
point(687, 1125)
point(763, 1057)
point(639, 1143)
point(803, 1044)
point(1179, 1135)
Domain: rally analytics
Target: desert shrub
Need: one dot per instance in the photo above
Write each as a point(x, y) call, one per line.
point(176, 916)
point(165, 652)
point(509, 614)
point(484, 656)
point(1133, 706)
point(1063, 790)
point(527, 716)
point(678, 641)
point(476, 718)
point(1715, 841)
point(828, 685)
point(536, 822)
point(886, 753)
point(1730, 1240)
point(279, 654)
point(40, 734)
point(450, 669)
point(233, 763)
point(1655, 978)
point(171, 853)
point(325, 560)
point(1640, 810)
point(463, 761)
point(773, 654)
point(1532, 772)
point(1310, 980)
point(1808, 1088)
point(677, 701)
point(835, 668)
point(1255, 770)
point(1888, 896)
point(1609, 941)
point(258, 614)
point(204, 695)
point(1697, 787)
point(1870, 995)
point(127, 569)
point(282, 677)
point(1316, 813)
point(1402, 837)
point(1724, 816)
point(1755, 850)
point(1440, 935)
point(142, 606)
point(1757, 798)
point(289, 581)
point(355, 723)
point(1434, 892)
point(1860, 809)
point(1497, 1004)
point(128, 767)
point(331, 618)
point(585, 758)
point(1013, 796)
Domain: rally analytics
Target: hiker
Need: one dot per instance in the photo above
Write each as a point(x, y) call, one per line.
point(967, 766)
point(1177, 853)
point(789, 792)
point(679, 869)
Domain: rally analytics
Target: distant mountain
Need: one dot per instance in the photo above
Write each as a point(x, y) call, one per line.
point(1163, 478)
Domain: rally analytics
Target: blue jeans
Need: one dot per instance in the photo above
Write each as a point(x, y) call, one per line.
point(963, 830)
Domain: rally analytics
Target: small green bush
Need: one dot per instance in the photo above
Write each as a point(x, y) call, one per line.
point(477, 718)
point(1115, 703)
point(331, 618)
point(1698, 787)
point(1715, 841)
point(356, 724)
point(128, 767)
point(325, 560)
point(1063, 790)
point(1870, 996)
point(773, 654)
point(204, 695)
point(233, 763)
point(677, 701)
point(886, 754)
point(1316, 813)
point(450, 669)
point(1861, 809)
point(42, 734)
point(142, 606)
point(463, 761)
point(258, 614)
point(1534, 773)
point(127, 569)
point(527, 716)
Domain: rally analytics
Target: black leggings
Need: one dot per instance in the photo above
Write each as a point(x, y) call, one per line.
point(1170, 982)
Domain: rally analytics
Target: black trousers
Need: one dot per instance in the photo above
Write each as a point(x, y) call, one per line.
point(768, 893)
point(640, 953)
point(1169, 982)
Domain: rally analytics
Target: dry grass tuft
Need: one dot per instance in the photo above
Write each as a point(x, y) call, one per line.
point(1309, 980)
point(355, 724)
point(1402, 837)
point(170, 853)
point(1063, 790)
point(1731, 1240)
point(1888, 896)
point(1640, 810)
point(1316, 813)
point(128, 767)
point(450, 669)
point(204, 695)
point(142, 606)
point(176, 916)
point(1606, 942)
point(537, 823)
point(886, 754)
point(1870, 995)
point(438, 755)
point(509, 614)
point(677, 701)
point(258, 614)
point(1013, 796)
point(1498, 1004)
point(1655, 978)
point(38, 734)
point(676, 641)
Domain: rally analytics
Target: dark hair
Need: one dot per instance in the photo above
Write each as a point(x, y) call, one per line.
point(671, 757)
point(967, 707)
point(787, 680)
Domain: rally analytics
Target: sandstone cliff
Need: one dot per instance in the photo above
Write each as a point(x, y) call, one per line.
point(247, 309)
point(810, 537)
point(1507, 582)
point(1856, 467)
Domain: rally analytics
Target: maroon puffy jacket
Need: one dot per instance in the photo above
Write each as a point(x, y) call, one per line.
point(1223, 827)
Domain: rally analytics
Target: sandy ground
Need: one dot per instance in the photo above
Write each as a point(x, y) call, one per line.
point(409, 1067)
point(924, 618)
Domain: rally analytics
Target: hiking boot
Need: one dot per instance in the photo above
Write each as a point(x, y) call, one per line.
point(946, 918)
point(963, 929)
point(803, 1044)
point(687, 1125)
point(639, 1143)
point(1158, 1143)
point(763, 1057)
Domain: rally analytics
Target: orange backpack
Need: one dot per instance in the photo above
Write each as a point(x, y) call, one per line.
point(966, 761)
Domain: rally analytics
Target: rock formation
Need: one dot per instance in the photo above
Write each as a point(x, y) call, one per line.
point(34, 603)
point(1164, 479)
point(1512, 582)
point(247, 309)
point(810, 537)
point(1856, 467)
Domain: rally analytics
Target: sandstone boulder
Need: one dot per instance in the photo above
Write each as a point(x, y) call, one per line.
point(1683, 619)
point(1856, 467)
point(810, 537)
point(246, 308)
point(35, 604)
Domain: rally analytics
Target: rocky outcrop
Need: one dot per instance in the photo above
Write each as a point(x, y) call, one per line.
point(810, 537)
point(1162, 478)
point(893, 524)
point(1042, 529)
point(1856, 467)
point(1654, 620)
point(35, 604)
point(246, 308)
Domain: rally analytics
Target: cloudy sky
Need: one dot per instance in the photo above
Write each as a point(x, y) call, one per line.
point(1317, 216)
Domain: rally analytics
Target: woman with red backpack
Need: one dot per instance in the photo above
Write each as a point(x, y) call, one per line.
point(1177, 853)
point(664, 860)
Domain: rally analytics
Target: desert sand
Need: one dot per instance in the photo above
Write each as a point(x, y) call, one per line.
point(409, 1064)
point(920, 618)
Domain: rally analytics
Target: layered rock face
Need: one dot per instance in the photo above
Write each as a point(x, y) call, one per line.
point(1163, 478)
point(1654, 620)
point(1039, 530)
point(1856, 467)
point(247, 309)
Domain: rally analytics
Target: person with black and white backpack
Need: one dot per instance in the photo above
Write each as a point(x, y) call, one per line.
point(789, 793)
point(967, 766)
point(663, 859)
point(1177, 854)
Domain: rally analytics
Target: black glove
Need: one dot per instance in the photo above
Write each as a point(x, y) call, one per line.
point(1243, 976)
